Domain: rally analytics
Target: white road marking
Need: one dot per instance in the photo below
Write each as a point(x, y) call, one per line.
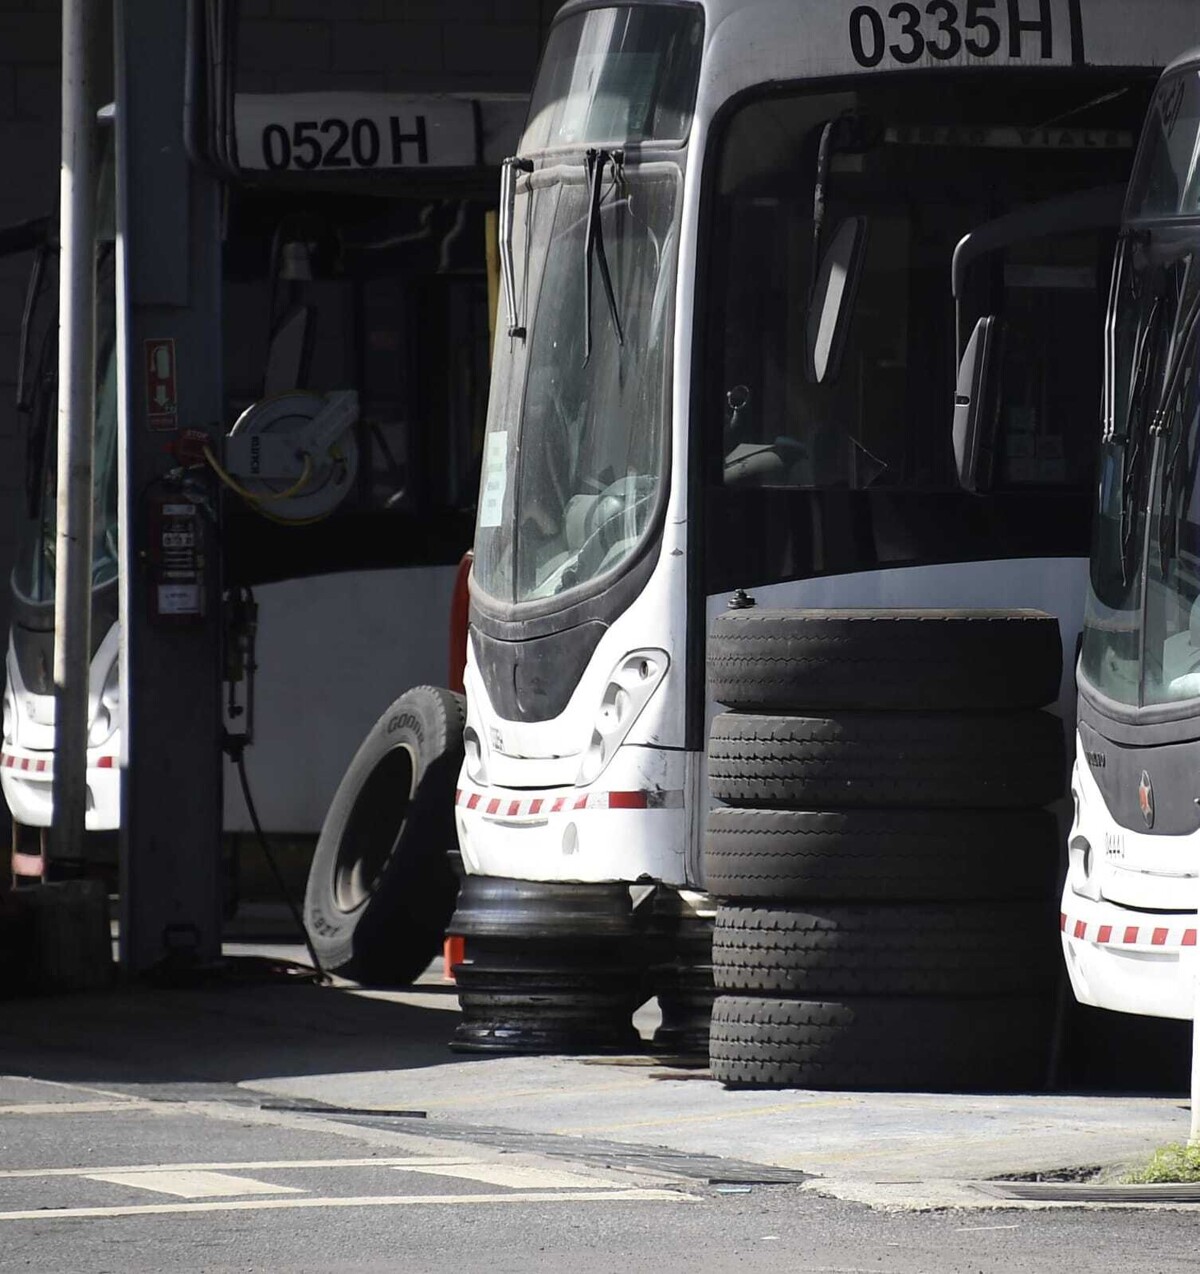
point(381, 1201)
point(261, 1165)
point(66, 1107)
point(517, 1176)
point(191, 1185)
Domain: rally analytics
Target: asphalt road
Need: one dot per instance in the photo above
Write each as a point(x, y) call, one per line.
point(205, 1129)
point(147, 1177)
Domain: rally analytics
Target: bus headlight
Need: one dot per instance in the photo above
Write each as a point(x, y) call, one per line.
point(104, 722)
point(628, 690)
point(476, 764)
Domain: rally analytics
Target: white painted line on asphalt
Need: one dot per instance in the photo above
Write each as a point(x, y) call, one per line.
point(518, 1176)
point(267, 1165)
point(382, 1201)
point(191, 1185)
point(66, 1107)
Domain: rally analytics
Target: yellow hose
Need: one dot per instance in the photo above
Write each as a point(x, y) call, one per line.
point(253, 497)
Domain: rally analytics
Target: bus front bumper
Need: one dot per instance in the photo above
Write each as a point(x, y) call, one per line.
point(27, 780)
point(1128, 961)
point(633, 824)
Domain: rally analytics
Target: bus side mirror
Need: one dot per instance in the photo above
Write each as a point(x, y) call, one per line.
point(977, 407)
point(832, 303)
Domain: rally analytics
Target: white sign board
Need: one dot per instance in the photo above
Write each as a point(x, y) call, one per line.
point(754, 43)
point(337, 132)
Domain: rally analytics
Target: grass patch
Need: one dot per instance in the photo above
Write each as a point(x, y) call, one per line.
point(1170, 1165)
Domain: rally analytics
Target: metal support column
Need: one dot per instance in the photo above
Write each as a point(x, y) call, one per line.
point(76, 434)
point(169, 292)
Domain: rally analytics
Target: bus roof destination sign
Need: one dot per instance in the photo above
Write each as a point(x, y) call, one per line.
point(841, 37)
point(340, 132)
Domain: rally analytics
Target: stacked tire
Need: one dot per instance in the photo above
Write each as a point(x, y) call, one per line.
point(884, 867)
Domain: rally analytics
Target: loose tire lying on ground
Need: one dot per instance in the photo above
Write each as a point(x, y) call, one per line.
point(550, 967)
point(919, 660)
point(899, 949)
point(381, 887)
point(893, 760)
point(881, 855)
point(942, 1044)
point(536, 911)
point(527, 1009)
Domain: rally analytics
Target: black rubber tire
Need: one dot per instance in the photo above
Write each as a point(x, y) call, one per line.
point(537, 1011)
point(901, 949)
point(948, 1045)
point(906, 760)
point(685, 998)
point(881, 855)
point(542, 911)
point(381, 887)
point(883, 660)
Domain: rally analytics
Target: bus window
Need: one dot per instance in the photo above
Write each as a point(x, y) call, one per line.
point(920, 170)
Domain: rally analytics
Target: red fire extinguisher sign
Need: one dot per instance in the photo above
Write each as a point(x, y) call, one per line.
point(162, 400)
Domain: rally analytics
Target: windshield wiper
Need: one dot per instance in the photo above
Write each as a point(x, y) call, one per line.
point(508, 274)
point(593, 245)
point(1133, 447)
point(1169, 414)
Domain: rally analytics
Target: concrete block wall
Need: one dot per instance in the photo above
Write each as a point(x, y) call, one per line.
point(401, 45)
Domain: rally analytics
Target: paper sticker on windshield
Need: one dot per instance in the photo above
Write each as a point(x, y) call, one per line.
point(495, 478)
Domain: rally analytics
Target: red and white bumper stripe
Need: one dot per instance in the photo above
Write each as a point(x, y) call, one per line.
point(1108, 935)
point(45, 765)
point(550, 803)
point(24, 763)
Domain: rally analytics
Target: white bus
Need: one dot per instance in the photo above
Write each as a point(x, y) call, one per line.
point(1130, 902)
point(673, 415)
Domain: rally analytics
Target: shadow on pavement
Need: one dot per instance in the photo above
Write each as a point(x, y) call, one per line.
point(223, 1034)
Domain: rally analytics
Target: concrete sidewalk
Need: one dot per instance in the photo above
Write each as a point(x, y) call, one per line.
point(387, 1051)
point(886, 1149)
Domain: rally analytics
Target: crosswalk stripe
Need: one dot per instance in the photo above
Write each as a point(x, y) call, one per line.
point(191, 1185)
point(517, 1176)
point(65, 1107)
point(380, 1201)
point(257, 1165)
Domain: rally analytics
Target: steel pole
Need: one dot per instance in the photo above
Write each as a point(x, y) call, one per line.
point(76, 437)
point(1194, 1131)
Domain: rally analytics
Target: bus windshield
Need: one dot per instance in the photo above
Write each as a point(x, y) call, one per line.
point(1141, 644)
point(587, 458)
point(618, 75)
point(576, 449)
point(34, 573)
point(1167, 180)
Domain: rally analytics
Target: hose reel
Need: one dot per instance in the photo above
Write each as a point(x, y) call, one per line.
point(293, 457)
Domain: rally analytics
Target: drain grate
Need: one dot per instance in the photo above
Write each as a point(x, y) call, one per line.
point(708, 1168)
